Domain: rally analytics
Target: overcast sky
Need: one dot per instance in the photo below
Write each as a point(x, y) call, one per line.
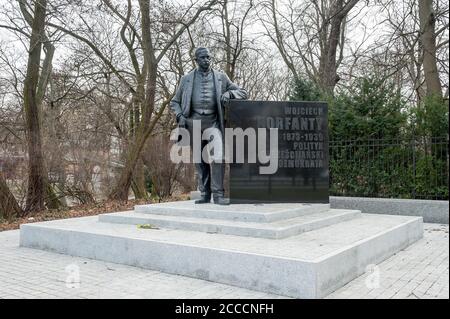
point(355, 33)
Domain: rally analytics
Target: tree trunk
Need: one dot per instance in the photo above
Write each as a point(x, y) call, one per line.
point(328, 76)
point(143, 129)
point(428, 39)
point(36, 89)
point(8, 204)
point(328, 66)
point(227, 39)
point(149, 73)
point(138, 184)
point(36, 171)
point(121, 190)
point(57, 158)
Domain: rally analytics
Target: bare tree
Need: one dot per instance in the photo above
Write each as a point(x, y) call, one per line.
point(101, 110)
point(399, 51)
point(34, 90)
point(8, 204)
point(238, 49)
point(310, 37)
point(231, 40)
point(154, 46)
point(428, 38)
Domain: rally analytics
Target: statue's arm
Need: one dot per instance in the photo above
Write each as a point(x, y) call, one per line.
point(234, 90)
point(175, 103)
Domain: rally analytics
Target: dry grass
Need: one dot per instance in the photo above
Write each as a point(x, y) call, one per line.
point(78, 211)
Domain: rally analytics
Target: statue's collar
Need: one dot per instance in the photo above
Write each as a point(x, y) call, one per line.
point(204, 73)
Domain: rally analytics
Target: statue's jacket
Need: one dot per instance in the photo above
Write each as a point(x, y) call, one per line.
point(181, 102)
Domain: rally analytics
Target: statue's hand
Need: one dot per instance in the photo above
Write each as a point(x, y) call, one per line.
point(181, 120)
point(225, 98)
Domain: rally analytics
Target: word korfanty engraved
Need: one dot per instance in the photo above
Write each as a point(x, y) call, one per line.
point(302, 174)
point(302, 133)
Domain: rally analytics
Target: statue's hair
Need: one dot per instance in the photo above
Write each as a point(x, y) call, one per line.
point(197, 51)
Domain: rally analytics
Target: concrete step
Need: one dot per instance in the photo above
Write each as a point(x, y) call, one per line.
point(236, 212)
point(310, 265)
point(275, 230)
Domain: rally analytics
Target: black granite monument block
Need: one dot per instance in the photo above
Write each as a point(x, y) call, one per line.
point(302, 173)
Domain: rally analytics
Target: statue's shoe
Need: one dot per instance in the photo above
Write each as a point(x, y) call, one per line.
point(203, 200)
point(221, 201)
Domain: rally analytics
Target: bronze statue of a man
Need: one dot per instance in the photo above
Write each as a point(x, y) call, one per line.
point(201, 95)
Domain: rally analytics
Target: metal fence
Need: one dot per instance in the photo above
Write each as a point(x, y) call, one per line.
point(393, 168)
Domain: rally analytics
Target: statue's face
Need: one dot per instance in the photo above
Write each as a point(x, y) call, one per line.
point(203, 59)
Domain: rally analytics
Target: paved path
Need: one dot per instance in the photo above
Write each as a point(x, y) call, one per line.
point(420, 271)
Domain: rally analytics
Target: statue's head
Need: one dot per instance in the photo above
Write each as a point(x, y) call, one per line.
point(203, 58)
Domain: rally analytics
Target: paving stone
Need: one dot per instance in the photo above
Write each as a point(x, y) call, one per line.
point(29, 273)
